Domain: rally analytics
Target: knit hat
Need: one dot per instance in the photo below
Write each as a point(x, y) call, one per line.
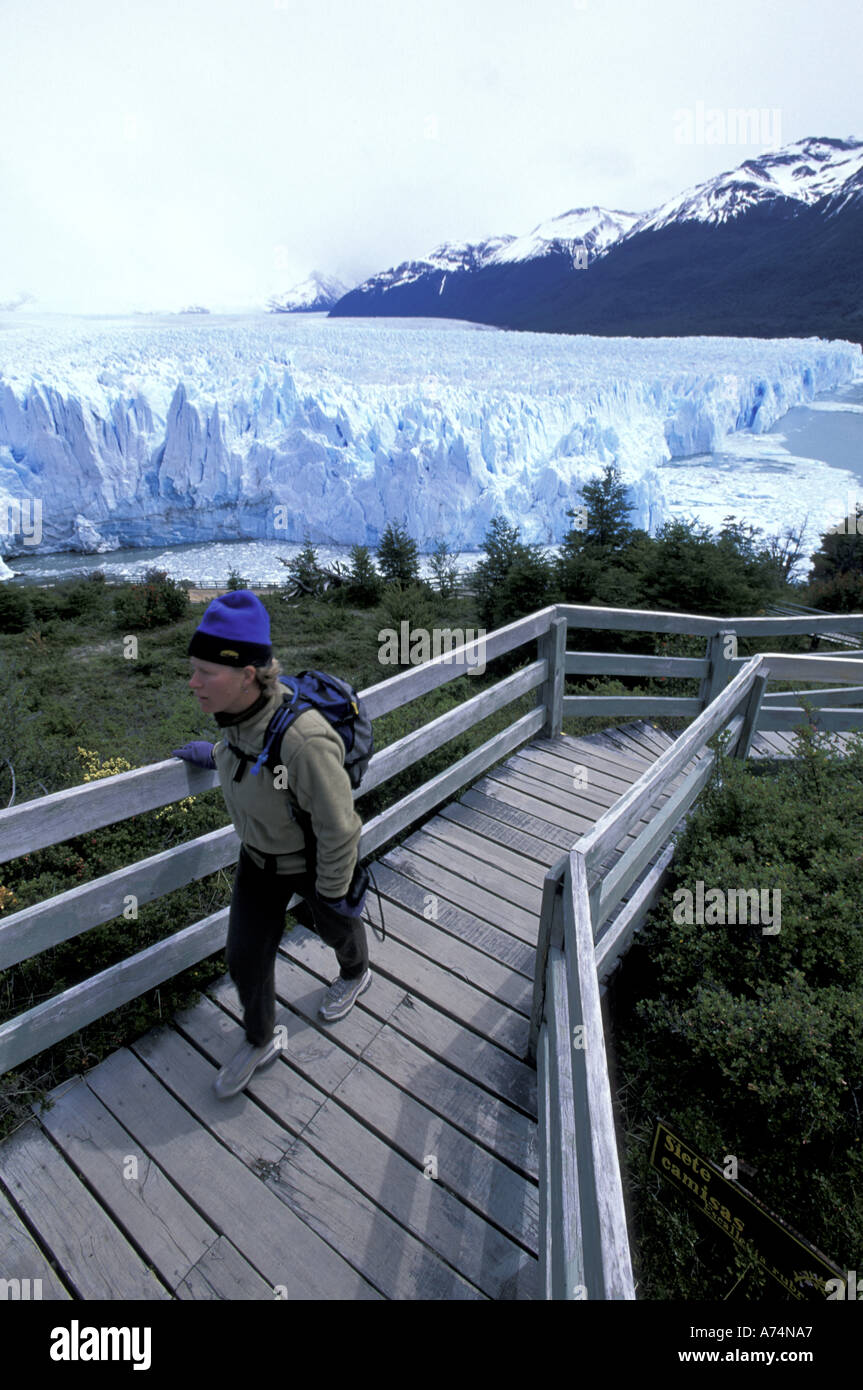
point(234, 631)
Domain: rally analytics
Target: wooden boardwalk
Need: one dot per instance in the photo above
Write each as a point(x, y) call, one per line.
point(392, 1154)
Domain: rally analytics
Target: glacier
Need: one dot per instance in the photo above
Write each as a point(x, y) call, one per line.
point(149, 431)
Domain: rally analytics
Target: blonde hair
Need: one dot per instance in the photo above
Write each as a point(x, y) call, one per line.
point(268, 676)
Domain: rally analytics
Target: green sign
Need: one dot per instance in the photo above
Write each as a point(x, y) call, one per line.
point(787, 1257)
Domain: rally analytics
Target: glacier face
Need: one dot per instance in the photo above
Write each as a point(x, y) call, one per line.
point(143, 431)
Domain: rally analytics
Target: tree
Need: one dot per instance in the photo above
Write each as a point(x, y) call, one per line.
point(836, 579)
point(398, 557)
point(364, 584)
point(513, 579)
point(444, 568)
point(603, 521)
point(305, 574)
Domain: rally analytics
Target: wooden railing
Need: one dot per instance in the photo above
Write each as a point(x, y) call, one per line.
point(584, 1246)
point(51, 819)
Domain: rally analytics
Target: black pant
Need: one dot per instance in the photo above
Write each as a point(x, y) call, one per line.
point(255, 926)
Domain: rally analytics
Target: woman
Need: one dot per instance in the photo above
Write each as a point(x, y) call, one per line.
point(235, 678)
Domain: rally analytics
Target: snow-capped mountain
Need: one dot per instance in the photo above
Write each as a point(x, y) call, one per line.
point(131, 434)
point(314, 295)
point(805, 172)
point(744, 253)
point(593, 230)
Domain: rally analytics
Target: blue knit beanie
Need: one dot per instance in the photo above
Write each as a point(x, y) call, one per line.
point(234, 631)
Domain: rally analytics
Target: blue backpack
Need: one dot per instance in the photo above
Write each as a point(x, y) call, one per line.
point(342, 707)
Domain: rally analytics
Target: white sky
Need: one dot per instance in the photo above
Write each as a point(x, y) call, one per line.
point(169, 152)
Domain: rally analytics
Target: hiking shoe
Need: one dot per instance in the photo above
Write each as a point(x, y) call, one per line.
point(236, 1074)
point(342, 995)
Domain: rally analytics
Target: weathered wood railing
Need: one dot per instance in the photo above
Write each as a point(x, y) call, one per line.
point(584, 1247)
point(583, 1235)
point(51, 819)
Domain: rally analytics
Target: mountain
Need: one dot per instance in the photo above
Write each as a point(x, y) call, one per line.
point(773, 248)
point(314, 295)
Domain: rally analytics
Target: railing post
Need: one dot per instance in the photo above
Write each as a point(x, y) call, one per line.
point(550, 929)
point(750, 717)
point(552, 646)
point(720, 669)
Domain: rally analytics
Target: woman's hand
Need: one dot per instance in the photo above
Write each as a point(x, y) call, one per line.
point(199, 752)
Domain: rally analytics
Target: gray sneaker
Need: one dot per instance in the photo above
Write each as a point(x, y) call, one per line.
point(342, 995)
point(236, 1074)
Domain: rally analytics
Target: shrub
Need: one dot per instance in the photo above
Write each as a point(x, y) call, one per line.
point(16, 608)
point(154, 603)
point(398, 557)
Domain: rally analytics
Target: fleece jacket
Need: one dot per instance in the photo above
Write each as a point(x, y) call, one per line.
point(310, 766)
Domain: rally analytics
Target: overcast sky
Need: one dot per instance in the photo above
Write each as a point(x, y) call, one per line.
point(169, 152)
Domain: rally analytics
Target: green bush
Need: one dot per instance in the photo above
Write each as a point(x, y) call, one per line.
point(748, 1042)
point(16, 608)
point(154, 603)
point(398, 556)
point(364, 585)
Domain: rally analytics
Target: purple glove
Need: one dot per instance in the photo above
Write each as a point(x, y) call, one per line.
point(343, 905)
point(352, 905)
point(200, 753)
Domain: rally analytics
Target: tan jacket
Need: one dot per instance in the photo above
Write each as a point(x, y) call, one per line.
point(313, 756)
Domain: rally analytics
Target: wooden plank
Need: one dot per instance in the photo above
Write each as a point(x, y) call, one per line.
point(32, 1032)
point(389, 822)
point(533, 827)
point(607, 892)
point(478, 1179)
point(552, 648)
point(833, 696)
point(144, 1203)
point(504, 861)
point(491, 907)
point(21, 1259)
point(41, 925)
point(428, 981)
point(566, 1143)
point(398, 690)
point(449, 918)
point(607, 1261)
point(48, 820)
point(417, 745)
point(511, 789)
point(587, 616)
point(611, 827)
point(276, 1242)
point(784, 666)
point(223, 1273)
point(546, 1121)
point(629, 664)
point(313, 1189)
point(96, 1258)
point(614, 942)
point(594, 706)
point(440, 1083)
point(424, 937)
point(500, 831)
point(446, 1039)
point(837, 720)
point(550, 930)
point(577, 776)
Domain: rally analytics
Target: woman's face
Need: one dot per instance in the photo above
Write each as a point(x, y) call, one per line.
point(222, 689)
